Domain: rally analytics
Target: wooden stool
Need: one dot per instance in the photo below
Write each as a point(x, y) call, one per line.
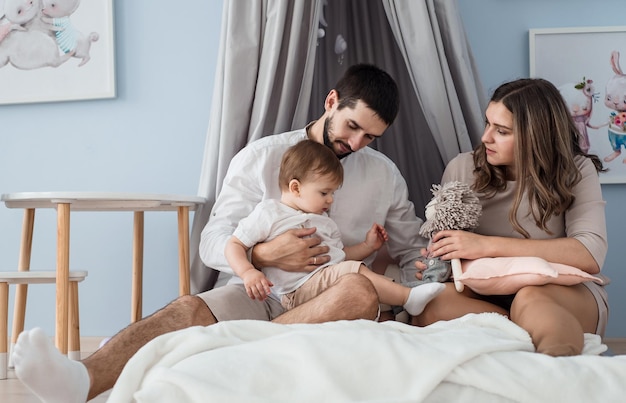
point(23, 278)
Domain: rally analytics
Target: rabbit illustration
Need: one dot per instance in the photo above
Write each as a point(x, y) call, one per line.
point(580, 98)
point(7, 26)
point(615, 100)
point(57, 14)
point(28, 47)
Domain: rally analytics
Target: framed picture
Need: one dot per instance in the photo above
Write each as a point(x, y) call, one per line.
point(585, 64)
point(56, 51)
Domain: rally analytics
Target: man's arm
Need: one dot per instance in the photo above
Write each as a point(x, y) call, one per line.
point(242, 190)
point(405, 244)
point(402, 224)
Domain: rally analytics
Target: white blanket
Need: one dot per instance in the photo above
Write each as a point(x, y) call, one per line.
point(481, 357)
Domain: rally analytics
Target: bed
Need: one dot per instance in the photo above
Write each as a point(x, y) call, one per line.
point(478, 357)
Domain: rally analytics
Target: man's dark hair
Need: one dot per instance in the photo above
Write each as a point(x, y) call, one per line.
point(373, 86)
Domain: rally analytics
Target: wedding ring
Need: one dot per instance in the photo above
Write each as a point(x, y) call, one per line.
point(315, 260)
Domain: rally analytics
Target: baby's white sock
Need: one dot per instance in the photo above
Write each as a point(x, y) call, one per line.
point(50, 375)
point(421, 295)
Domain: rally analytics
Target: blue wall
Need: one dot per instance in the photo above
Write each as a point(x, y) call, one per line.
point(151, 137)
point(148, 139)
point(498, 34)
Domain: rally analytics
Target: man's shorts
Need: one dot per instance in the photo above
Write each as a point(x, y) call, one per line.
point(319, 282)
point(231, 302)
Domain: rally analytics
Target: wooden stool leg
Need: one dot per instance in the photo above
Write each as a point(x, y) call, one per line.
point(62, 279)
point(73, 349)
point(137, 277)
point(21, 290)
point(4, 329)
point(183, 250)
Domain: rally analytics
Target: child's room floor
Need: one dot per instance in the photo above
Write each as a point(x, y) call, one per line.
point(12, 390)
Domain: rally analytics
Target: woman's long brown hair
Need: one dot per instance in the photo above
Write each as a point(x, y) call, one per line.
point(546, 142)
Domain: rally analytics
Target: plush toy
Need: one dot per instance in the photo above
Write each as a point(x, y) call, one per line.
point(453, 206)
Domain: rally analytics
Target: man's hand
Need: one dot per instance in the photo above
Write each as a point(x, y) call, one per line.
point(294, 250)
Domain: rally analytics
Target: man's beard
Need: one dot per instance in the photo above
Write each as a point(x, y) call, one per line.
point(327, 141)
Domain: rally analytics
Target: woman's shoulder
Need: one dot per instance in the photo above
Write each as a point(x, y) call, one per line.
point(463, 159)
point(587, 168)
point(584, 163)
point(589, 174)
point(460, 168)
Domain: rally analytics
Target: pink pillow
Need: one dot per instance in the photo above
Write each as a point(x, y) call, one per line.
point(506, 275)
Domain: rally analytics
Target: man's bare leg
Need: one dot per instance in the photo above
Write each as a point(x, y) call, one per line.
point(37, 360)
point(353, 296)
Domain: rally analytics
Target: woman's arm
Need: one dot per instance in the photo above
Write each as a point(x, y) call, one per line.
point(452, 244)
point(578, 236)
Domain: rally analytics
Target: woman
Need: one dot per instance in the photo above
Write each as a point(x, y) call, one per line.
point(541, 196)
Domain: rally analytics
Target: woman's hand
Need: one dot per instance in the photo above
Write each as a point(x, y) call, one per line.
point(458, 244)
point(294, 250)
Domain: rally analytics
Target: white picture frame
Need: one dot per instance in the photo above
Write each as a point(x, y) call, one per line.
point(33, 64)
point(570, 56)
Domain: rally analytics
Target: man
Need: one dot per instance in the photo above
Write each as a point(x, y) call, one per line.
point(357, 111)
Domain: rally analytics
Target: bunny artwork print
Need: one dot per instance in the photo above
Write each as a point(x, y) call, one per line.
point(615, 99)
point(580, 98)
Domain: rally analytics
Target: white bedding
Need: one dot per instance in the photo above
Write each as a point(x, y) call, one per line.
point(482, 357)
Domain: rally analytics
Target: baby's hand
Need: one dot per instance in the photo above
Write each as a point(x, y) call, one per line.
point(376, 237)
point(257, 285)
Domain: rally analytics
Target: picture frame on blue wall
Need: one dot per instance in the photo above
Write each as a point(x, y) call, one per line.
point(56, 51)
point(584, 63)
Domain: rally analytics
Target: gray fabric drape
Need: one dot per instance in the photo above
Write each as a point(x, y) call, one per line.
point(409, 141)
point(423, 46)
point(432, 40)
point(262, 86)
point(274, 72)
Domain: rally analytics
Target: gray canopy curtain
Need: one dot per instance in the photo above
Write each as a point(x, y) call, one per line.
point(279, 58)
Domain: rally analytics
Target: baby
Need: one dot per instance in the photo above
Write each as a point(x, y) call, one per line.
point(309, 175)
